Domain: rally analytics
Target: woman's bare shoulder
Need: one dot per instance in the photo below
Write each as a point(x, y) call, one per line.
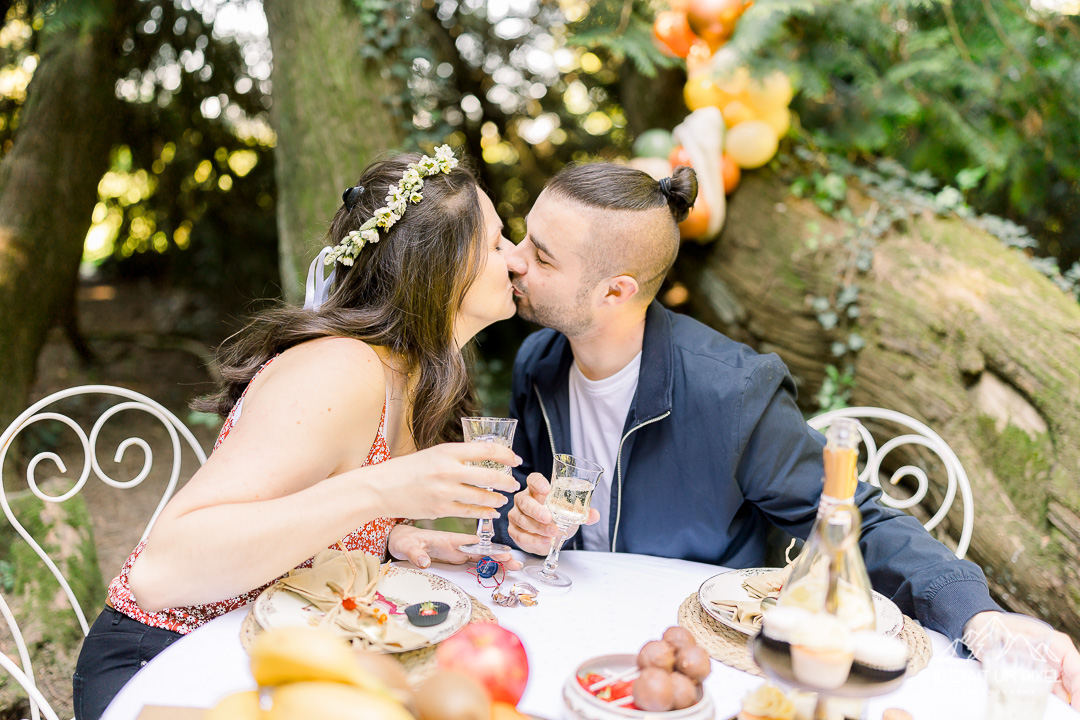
point(335, 375)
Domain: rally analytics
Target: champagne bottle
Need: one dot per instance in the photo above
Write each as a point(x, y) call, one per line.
point(830, 574)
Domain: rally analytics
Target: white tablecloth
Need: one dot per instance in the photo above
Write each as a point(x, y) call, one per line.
point(616, 604)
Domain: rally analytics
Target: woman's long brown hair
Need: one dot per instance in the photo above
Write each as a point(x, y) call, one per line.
point(403, 293)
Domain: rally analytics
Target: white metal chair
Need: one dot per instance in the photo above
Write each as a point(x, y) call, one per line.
point(921, 435)
point(133, 401)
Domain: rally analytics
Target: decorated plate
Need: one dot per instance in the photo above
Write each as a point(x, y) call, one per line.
point(728, 586)
point(399, 588)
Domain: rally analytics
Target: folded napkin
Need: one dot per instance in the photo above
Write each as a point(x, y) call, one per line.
point(758, 587)
point(343, 586)
point(743, 612)
point(766, 584)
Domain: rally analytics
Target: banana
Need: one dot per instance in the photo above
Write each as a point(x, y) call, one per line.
point(332, 701)
point(238, 706)
point(297, 654)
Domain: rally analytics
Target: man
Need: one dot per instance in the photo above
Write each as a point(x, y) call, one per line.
point(701, 440)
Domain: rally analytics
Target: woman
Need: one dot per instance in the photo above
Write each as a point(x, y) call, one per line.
point(338, 421)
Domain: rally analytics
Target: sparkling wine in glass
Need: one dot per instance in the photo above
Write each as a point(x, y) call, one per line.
point(573, 480)
point(501, 432)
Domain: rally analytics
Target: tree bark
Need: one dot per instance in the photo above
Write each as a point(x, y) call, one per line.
point(961, 333)
point(48, 188)
point(330, 118)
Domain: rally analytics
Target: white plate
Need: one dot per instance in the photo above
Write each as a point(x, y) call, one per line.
point(399, 588)
point(728, 586)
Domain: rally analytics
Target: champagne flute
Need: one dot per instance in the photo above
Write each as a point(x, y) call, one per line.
point(573, 480)
point(501, 432)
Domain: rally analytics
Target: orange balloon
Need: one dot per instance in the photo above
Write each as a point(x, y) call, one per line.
point(696, 223)
point(731, 173)
point(715, 20)
point(673, 34)
point(736, 112)
point(701, 91)
point(678, 157)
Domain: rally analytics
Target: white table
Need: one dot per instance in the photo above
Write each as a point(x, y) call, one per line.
point(617, 603)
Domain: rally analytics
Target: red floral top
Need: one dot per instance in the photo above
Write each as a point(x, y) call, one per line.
point(371, 538)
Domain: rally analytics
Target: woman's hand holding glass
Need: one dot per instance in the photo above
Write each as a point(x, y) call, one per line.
point(447, 481)
point(497, 431)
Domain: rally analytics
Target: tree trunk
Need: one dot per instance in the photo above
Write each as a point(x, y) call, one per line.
point(48, 188)
point(961, 332)
point(330, 118)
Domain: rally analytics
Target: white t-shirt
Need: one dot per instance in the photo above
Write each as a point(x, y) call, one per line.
point(598, 410)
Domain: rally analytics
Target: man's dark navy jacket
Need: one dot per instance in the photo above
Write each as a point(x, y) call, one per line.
point(714, 450)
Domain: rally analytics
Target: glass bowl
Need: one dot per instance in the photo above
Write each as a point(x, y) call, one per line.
point(579, 704)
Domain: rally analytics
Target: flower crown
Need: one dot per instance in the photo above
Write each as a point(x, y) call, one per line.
point(397, 199)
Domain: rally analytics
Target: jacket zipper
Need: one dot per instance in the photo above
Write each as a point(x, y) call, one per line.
point(618, 471)
point(543, 410)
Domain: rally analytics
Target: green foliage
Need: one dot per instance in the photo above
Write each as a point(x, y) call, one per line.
point(836, 389)
point(622, 33)
point(985, 92)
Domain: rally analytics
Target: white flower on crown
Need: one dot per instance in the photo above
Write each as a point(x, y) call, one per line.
point(445, 155)
point(385, 218)
point(397, 201)
point(427, 166)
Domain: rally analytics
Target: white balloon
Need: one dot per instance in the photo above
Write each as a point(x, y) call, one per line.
point(658, 168)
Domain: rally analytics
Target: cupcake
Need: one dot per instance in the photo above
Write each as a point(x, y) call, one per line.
point(768, 702)
point(426, 614)
point(822, 652)
point(780, 624)
point(878, 657)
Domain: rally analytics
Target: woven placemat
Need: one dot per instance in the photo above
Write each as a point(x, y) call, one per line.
point(731, 647)
point(418, 663)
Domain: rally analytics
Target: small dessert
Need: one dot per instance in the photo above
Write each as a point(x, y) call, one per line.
point(685, 692)
point(668, 676)
point(781, 623)
point(426, 614)
point(822, 652)
point(879, 657)
point(768, 702)
point(653, 690)
point(658, 654)
point(679, 637)
point(694, 663)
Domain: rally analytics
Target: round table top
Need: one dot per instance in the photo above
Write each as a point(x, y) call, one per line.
point(617, 603)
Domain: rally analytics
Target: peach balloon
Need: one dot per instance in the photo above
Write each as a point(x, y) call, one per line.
point(701, 91)
point(657, 168)
point(772, 91)
point(751, 144)
point(737, 112)
point(779, 118)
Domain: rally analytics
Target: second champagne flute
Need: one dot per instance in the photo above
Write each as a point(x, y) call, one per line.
point(501, 432)
point(573, 480)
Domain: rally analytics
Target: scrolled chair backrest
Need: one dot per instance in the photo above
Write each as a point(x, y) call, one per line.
point(922, 435)
point(38, 412)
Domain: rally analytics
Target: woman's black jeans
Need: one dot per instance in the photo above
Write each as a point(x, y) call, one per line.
point(112, 653)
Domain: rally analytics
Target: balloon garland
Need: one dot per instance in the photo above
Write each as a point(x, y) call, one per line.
point(754, 111)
